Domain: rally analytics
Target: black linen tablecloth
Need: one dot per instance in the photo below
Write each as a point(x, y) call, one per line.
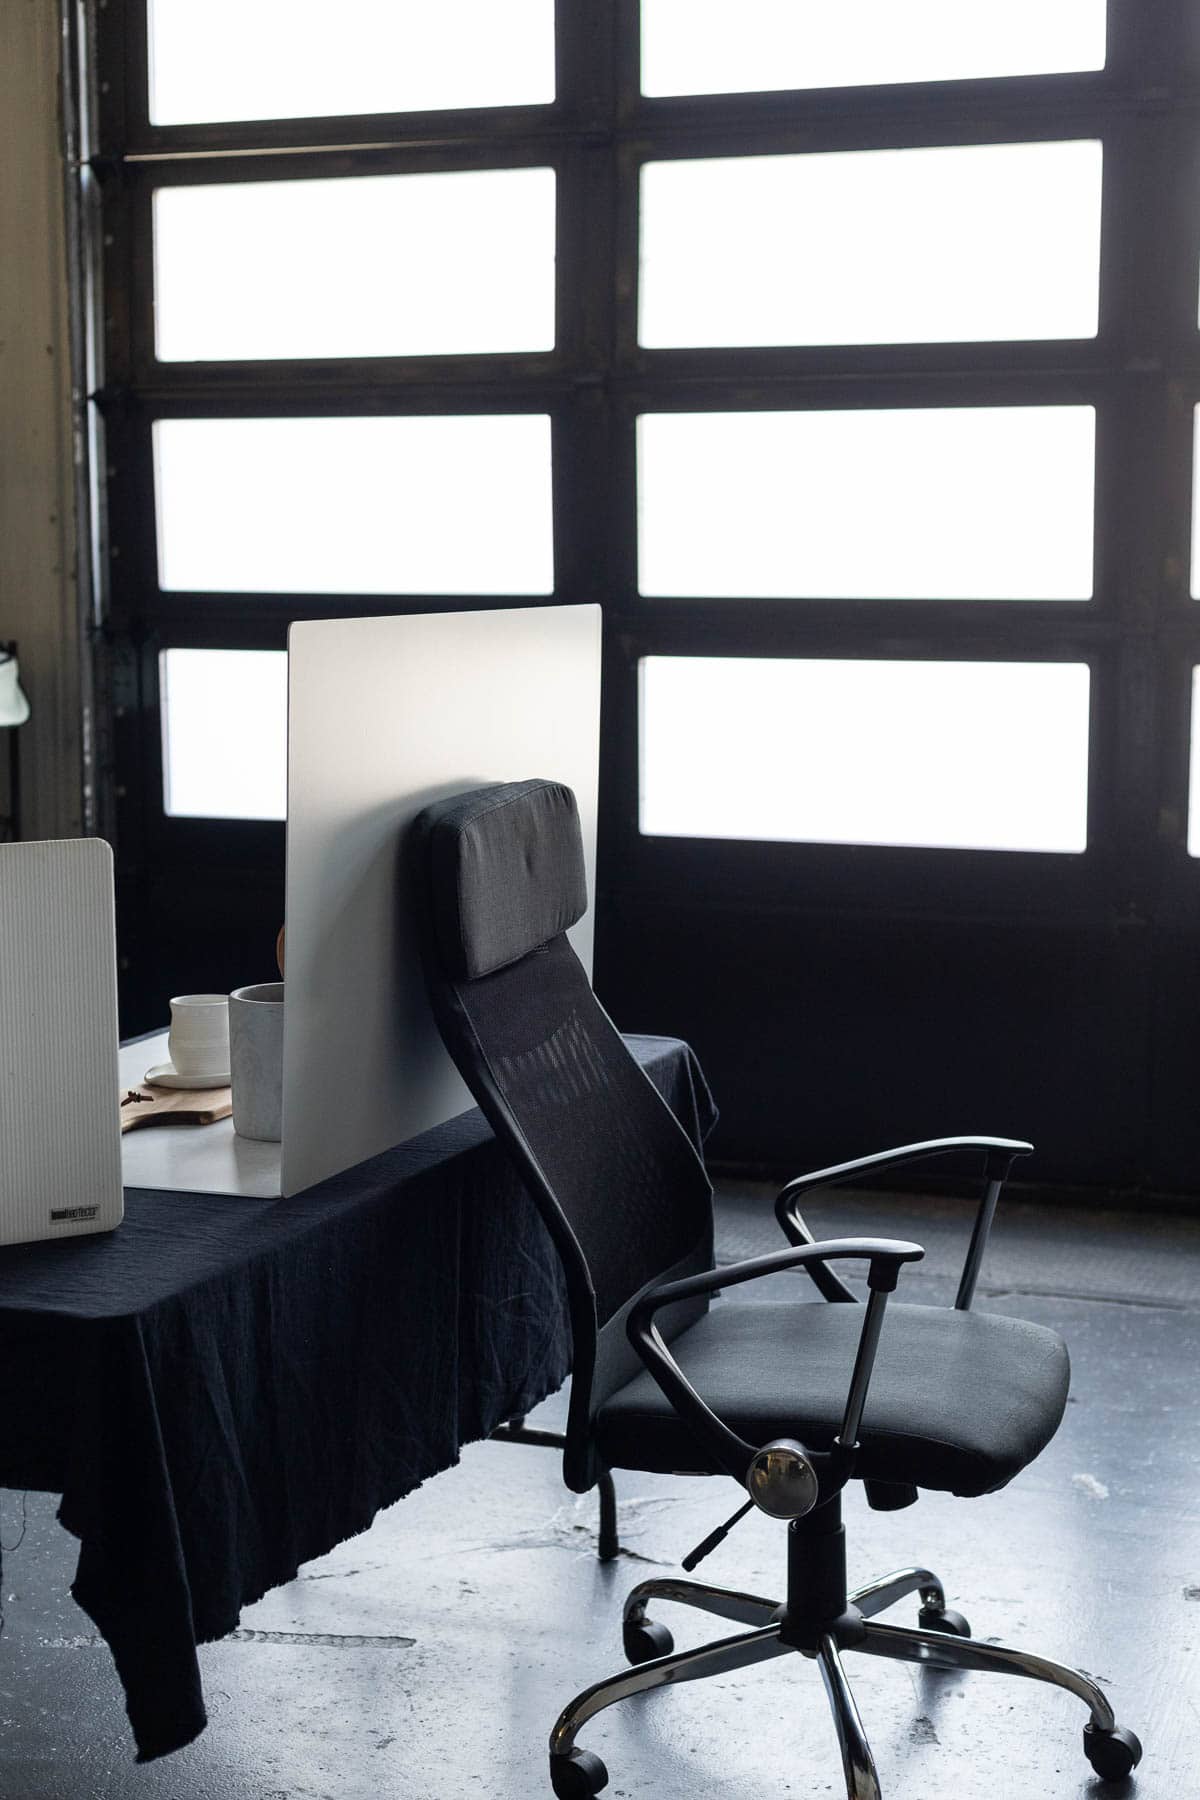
point(225, 1388)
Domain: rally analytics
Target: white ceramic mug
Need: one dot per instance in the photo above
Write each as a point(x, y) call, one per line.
point(198, 1041)
point(256, 1060)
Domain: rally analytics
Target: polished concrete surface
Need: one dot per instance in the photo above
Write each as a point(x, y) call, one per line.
point(429, 1657)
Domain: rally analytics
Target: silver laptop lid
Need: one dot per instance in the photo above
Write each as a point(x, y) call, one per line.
point(60, 1129)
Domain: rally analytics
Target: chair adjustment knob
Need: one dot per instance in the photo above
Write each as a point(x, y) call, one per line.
point(781, 1479)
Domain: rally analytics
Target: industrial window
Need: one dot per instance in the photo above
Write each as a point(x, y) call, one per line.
point(384, 265)
point(966, 244)
point(837, 351)
point(984, 756)
point(727, 46)
point(992, 503)
point(290, 59)
point(224, 723)
point(442, 505)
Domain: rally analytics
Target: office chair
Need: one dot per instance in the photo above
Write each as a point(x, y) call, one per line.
point(791, 1400)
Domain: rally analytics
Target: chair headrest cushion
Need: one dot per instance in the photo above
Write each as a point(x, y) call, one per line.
point(507, 872)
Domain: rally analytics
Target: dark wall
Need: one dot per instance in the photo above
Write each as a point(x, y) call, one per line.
point(826, 1039)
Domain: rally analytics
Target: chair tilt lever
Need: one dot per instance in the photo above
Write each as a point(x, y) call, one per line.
point(707, 1545)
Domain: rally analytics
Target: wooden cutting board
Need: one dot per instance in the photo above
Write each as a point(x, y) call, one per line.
point(143, 1105)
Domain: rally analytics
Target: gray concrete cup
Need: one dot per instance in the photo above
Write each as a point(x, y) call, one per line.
point(256, 1060)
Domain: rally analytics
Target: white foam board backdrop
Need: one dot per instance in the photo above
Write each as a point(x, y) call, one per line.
point(384, 716)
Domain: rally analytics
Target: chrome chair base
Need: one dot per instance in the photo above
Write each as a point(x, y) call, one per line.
point(577, 1774)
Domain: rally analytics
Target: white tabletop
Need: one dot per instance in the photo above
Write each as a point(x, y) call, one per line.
point(201, 1159)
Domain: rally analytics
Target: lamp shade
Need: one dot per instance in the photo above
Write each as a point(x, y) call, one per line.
point(14, 707)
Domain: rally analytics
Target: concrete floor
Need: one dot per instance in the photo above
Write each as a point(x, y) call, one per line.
point(429, 1657)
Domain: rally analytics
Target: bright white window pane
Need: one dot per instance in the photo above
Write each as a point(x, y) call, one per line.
point(456, 505)
point(736, 46)
point(980, 756)
point(872, 247)
point(224, 726)
point(292, 59)
point(1196, 503)
point(390, 265)
point(941, 503)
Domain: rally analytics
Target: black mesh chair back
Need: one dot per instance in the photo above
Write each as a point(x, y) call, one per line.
point(500, 875)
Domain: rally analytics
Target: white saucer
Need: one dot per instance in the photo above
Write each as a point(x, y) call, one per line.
point(166, 1075)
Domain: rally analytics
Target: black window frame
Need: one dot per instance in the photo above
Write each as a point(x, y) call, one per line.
point(1139, 635)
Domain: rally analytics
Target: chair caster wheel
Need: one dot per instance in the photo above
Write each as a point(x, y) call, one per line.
point(950, 1622)
point(1113, 1754)
point(644, 1641)
point(578, 1775)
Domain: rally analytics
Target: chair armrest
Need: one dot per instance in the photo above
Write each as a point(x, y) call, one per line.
point(999, 1155)
point(885, 1257)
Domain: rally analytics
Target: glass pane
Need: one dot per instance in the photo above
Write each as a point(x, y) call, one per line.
point(355, 506)
point(989, 503)
point(390, 265)
point(873, 247)
point(1195, 584)
point(954, 755)
point(717, 47)
point(224, 726)
point(293, 59)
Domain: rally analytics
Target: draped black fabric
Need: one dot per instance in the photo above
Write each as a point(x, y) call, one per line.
point(225, 1388)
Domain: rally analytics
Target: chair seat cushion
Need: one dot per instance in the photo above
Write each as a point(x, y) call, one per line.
point(958, 1400)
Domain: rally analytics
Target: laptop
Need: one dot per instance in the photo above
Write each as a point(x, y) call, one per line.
point(60, 1126)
